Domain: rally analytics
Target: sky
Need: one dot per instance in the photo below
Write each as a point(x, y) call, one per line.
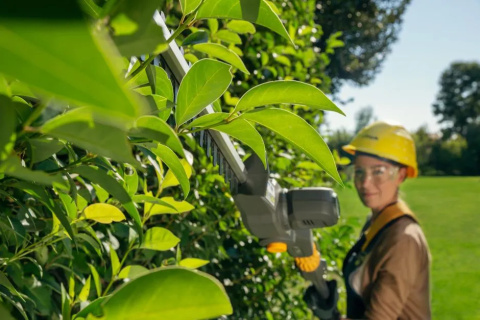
point(433, 34)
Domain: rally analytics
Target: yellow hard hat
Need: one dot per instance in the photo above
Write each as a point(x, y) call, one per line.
point(388, 141)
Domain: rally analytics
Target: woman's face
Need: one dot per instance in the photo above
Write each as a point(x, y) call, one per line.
point(377, 181)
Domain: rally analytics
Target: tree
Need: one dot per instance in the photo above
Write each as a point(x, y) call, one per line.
point(458, 101)
point(363, 117)
point(368, 29)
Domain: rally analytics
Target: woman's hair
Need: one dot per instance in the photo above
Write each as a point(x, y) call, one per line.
point(360, 153)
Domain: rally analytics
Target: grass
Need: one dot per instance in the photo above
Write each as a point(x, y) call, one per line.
point(449, 211)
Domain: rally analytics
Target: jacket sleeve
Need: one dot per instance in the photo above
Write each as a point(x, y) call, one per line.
point(396, 277)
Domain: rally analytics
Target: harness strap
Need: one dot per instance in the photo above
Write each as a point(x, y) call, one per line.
point(389, 214)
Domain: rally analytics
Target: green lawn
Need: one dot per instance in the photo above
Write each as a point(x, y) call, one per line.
point(449, 211)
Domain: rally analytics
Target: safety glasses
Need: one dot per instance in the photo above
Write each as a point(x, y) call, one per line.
point(378, 174)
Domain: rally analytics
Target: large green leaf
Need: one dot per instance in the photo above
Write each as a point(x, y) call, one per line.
point(135, 30)
point(169, 293)
point(223, 53)
point(13, 167)
point(159, 239)
point(204, 83)
point(188, 6)
point(81, 128)
point(291, 92)
point(43, 148)
point(242, 130)
point(256, 11)
point(298, 132)
point(8, 123)
point(51, 48)
point(171, 160)
point(113, 187)
point(156, 129)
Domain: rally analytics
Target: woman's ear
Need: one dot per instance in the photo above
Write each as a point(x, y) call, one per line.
point(402, 174)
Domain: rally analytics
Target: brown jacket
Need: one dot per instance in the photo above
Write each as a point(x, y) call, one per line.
point(393, 280)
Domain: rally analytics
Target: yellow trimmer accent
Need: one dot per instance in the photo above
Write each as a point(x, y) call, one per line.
point(311, 263)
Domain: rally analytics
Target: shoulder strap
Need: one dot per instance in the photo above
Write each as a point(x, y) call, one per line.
point(387, 216)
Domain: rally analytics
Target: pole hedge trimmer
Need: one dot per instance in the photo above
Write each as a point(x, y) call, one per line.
point(281, 219)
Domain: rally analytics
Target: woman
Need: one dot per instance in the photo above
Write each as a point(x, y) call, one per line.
point(386, 272)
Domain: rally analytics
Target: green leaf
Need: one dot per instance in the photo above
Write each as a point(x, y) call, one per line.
point(204, 83)
point(213, 25)
point(103, 213)
point(150, 199)
point(208, 120)
point(115, 262)
point(136, 31)
point(113, 187)
point(170, 180)
point(7, 284)
point(13, 167)
point(5, 314)
point(41, 194)
point(196, 37)
point(80, 128)
point(59, 55)
point(298, 132)
point(130, 177)
point(228, 37)
point(159, 239)
point(217, 107)
point(91, 8)
point(93, 308)
point(243, 131)
point(283, 60)
point(156, 129)
point(223, 53)
point(241, 27)
point(96, 279)
point(188, 6)
point(174, 207)
point(258, 12)
point(85, 292)
point(102, 194)
point(69, 205)
point(291, 92)
point(171, 160)
point(169, 293)
point(192, 263)
point(8, 124)
point(132, 272)
point(44, 148)
point(163, 85)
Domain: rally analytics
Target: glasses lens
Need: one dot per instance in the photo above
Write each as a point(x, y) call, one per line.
point(378, 174)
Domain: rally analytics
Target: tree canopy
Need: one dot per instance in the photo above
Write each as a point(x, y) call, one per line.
point(458, 101)
point(368, 29)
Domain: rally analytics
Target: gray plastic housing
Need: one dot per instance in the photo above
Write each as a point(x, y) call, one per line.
point(310, 208)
